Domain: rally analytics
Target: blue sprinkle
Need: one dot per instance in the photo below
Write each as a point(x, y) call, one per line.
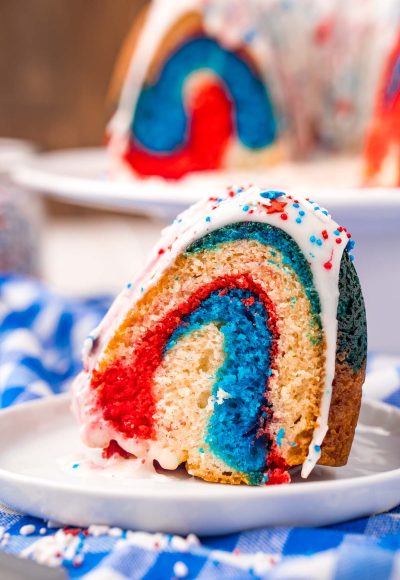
point(201, 450)
point(279, 436)
point(294, 444)
point(319, 242)
point(313, 239)
point(75, 465)
point(296, 205)
point(337, 233)
point(129, 285)
point(325, 212)
point(350, 245)
point(245, 208)
point(142, 289)
point(317, 448)
point(298, 220)
point(316, 207)
point(208, 219)
point(302, 213)
point(271, 194)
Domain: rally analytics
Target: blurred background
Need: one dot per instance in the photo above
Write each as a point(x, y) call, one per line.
point(56, 64)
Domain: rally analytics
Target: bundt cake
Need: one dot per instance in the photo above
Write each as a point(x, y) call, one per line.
point(233, 84)
point(240, 351)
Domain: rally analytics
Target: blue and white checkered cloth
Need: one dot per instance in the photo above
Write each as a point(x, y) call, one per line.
point(40, 340)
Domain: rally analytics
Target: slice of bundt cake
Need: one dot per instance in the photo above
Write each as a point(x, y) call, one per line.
point(241, 349)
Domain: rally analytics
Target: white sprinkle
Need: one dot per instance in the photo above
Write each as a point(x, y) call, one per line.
point(180, 570)
point(42, 531)
point(179, 544)
point(193, 540)
point(98, 530)
point(27, 530)
point(4, 537)
point(77, 561)
point(115, 532)
point(52, 550)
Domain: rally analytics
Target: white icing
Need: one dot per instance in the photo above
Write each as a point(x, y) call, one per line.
point(188, 227)
point(81, 465)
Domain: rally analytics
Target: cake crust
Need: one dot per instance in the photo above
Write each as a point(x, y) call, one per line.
point(343, 415)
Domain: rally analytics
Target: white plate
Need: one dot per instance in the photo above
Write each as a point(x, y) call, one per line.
point(36, 435)
point(13, 151)
point(82, 176)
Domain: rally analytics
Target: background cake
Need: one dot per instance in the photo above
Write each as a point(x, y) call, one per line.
point(382, 147)
point(241, 349)
point(211, 84)
point(191, 100)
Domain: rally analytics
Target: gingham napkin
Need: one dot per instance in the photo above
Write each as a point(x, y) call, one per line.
point(40, 341)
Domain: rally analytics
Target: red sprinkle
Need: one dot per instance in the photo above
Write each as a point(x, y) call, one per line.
point(161, 251)
point(338, 240)
point(284, 216)
point(72, 531)
point(325, 235)
point(328, 265)
point(276, 207)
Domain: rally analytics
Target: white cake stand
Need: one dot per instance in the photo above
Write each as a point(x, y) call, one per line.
point(83, 176)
